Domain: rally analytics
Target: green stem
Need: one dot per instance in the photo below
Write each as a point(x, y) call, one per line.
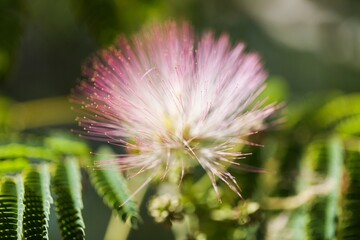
point(118, 230)
point(181, 229)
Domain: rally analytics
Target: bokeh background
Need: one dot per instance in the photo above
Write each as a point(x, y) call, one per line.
point(310, 46)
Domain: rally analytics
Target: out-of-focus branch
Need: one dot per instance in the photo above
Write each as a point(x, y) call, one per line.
point(289, 203)
point(40, 113)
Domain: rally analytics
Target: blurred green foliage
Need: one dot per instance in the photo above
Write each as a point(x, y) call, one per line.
point(12, 21)
point(106, 19)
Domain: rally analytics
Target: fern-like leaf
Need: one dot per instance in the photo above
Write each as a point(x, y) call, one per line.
point(349, 220)
point(11, 208)
point(37, 202)
point(112, 187)
point(325, 160)
point(67, 187)
point(315, 166)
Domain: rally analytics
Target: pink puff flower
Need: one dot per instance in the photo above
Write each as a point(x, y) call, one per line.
point(173, 101)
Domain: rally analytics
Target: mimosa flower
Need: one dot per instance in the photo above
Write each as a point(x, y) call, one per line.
point(173, 101)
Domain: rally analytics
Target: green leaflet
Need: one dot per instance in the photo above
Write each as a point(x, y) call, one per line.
point(67, 188)
point(11, 208)
point(37, 202)
point(112, 187)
